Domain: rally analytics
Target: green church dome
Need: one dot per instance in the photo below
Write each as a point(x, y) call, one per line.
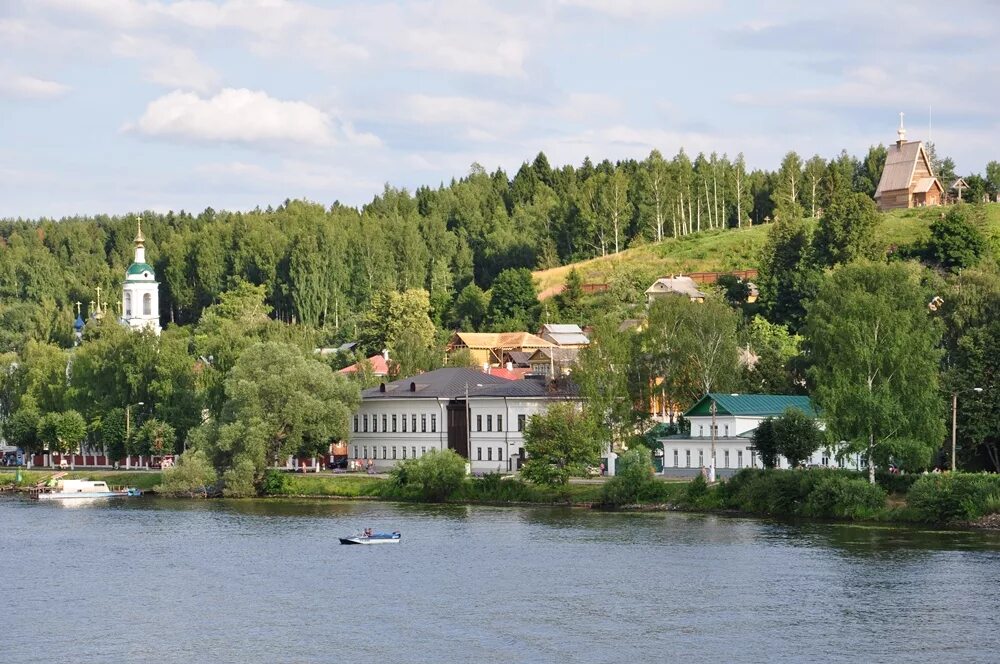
point(139, 268)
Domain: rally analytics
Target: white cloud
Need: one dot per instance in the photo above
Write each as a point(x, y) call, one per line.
point(235, 115)
point(168, 65)
point(640, 8)
point(20, 86)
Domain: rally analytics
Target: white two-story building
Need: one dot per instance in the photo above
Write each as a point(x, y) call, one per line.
point(735, 418)
point(479, 416)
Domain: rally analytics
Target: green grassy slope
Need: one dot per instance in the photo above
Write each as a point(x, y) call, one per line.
point(718, 251)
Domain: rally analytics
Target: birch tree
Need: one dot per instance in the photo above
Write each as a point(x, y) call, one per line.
point(812, 173)
point(615, 205)
point(875, 351)
point(656, 180)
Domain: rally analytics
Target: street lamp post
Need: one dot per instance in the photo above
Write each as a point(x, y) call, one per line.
point(954, 420)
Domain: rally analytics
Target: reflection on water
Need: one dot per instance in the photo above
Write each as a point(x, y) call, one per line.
point(265, 581)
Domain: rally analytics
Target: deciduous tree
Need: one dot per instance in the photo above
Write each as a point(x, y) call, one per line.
point(875, 351)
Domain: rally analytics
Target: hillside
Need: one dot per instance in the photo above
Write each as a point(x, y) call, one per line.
point(718, 251)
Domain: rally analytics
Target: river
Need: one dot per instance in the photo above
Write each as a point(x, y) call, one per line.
point(154, 580)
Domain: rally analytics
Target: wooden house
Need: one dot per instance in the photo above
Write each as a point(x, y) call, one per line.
point(907, 179)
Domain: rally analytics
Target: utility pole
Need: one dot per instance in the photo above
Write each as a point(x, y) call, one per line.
point(711, 467)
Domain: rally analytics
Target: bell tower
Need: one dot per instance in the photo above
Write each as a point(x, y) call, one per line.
point(140, 294)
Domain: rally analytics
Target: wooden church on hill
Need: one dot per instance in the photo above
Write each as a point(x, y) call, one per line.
point(907, 179)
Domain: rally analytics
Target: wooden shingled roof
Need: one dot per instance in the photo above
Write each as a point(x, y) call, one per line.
point(900, 163)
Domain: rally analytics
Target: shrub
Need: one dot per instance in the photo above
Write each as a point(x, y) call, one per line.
point(192, 476)
point(633, 473)
point(275, 483)
point(240, 480)
point(954, 497)
point(434, 476)
point(896, 483)
point(697, 488)
point(820, 493)
point(843, 497)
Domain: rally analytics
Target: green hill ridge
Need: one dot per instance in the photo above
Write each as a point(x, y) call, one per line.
point(739, 249)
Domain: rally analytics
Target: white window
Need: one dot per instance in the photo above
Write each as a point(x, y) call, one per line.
point(499, 422)
point(499, 454)
point(701, 431)
point(385, 452)
point(739, 458)
point(394, 452)
point(413, 421)
point(404, 451)
point(701, 458)
point(520, 422)
point(365, 420)
point(434, 423)
point(489, 454)
point(489, 423)
point(128, 304)
point(385, 422)
point(413, 452)
point(725, 457)
point(365, 449)
point(677, 463)
point(687, 457)
point(404, 423)
point(423, 423)
point(479, 454)
point(147, 305)
point(355, 425)
point(394, 424)
point(479, 422)
point(423, 450)
point(727, 434)
point(355, 451)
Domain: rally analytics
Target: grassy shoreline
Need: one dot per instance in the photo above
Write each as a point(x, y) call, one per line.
point(962, 499)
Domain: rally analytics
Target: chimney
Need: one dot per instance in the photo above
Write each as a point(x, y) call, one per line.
point(385, 354)
point(510, 366)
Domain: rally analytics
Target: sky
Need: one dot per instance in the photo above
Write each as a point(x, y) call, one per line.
point(115, 106)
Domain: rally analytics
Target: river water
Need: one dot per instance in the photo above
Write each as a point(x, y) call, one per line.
point(152, 580)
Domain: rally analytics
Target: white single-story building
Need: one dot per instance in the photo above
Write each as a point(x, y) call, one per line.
point(735, 418)
point(480, 416)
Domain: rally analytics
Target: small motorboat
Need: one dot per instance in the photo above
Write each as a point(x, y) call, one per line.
point(74, 490)
point(373, 538)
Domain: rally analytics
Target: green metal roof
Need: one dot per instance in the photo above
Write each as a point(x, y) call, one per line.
point(139, 268)
point(764, 405)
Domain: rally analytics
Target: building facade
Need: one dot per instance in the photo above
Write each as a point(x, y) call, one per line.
point(734, 421)
point(479, 416)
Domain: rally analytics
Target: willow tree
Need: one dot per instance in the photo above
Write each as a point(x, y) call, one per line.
point(874, 347)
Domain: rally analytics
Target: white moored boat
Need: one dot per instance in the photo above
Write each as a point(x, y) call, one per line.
point(83, 490)
point(373, 538)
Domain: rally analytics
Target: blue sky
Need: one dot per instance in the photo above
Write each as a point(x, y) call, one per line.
point(111, 106)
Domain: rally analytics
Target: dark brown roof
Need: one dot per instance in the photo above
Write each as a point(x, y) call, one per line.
point(447, 383)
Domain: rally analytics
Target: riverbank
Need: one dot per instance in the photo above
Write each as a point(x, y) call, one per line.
point(960, 499)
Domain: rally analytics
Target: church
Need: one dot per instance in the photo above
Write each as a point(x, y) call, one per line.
point(140, 293)
point(907, 179)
